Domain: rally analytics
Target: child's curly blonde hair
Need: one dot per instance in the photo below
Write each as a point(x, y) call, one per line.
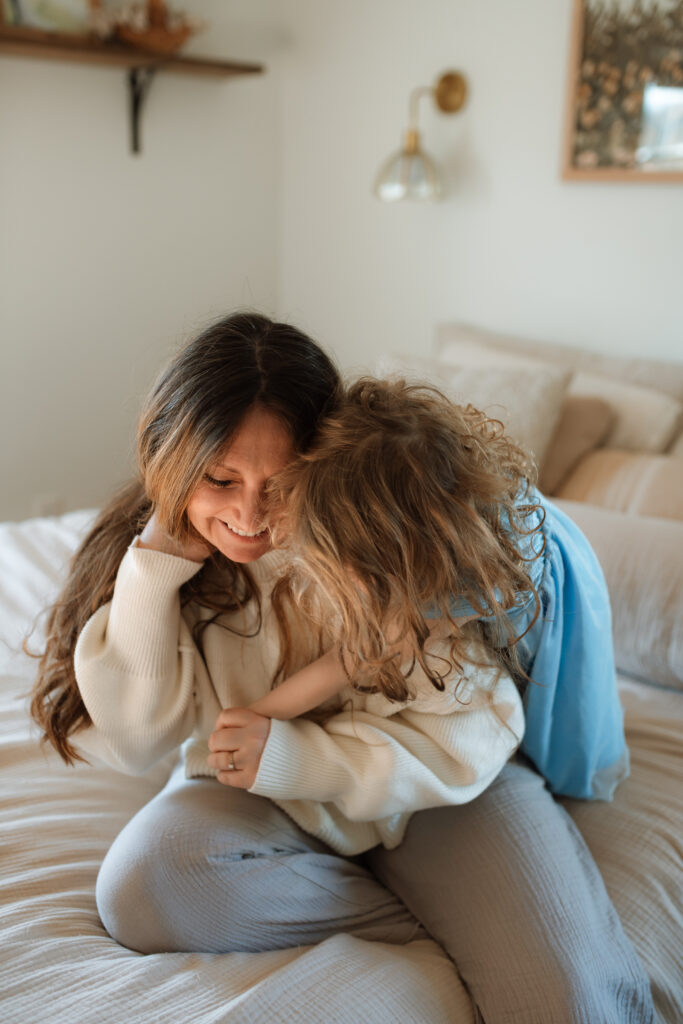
point(405, 503)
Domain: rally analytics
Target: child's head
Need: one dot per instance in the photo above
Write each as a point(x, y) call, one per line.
point(200, 401)
point(413, 498)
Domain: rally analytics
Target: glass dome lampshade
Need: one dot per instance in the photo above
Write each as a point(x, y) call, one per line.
point(408, 174)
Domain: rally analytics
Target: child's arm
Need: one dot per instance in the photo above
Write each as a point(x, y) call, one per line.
point(320, 680)
point(304, 690)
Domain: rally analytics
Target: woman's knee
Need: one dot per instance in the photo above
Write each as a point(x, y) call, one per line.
point(139, 887)
point(194, 869)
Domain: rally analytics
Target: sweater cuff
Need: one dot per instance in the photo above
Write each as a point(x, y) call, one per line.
point(143, 619)
point(292, 767)
point(175, 565)
point(146, 574)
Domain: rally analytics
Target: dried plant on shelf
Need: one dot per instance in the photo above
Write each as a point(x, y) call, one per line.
point(150, 25)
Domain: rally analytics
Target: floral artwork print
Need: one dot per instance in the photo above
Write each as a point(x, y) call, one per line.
point(628, 103)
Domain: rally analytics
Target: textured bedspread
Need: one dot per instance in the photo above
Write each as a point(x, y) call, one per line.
point(56, 823)
point(58, 963)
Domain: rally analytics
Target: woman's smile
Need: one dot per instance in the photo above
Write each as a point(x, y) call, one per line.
point(258, 535)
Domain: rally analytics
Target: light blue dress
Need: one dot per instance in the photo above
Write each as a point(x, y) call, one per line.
point(574, 722)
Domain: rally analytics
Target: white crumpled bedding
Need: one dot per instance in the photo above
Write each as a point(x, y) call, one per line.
point(56, 823)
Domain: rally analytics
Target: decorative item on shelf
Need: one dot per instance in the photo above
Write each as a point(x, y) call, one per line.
point(151, 25)
point(70, 16)
point(150, 50)
point(411, 173)
point(59, 16)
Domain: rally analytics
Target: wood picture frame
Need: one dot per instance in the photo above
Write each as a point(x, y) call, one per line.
point(624, 112)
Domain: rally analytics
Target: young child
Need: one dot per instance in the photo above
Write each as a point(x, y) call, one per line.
point(417, 519)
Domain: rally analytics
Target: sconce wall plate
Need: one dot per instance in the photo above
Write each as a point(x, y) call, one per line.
point(450, 92)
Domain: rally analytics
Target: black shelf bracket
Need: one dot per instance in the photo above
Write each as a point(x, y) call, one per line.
point(139, 83)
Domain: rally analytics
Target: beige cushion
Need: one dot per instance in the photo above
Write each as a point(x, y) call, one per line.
point(642, 559)
point(527, 403)
point(583, 426)
point(646, 485)
point(645, 420)
point(664, 376)
point(473, 352)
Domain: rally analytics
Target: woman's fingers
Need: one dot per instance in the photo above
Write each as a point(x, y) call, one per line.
point(225, 739)
point(231, 741)
point(226, 761)
point(233, 717)
point(154, 537)
point(238, 740)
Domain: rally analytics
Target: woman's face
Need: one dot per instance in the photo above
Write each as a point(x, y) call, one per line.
point(227, 508)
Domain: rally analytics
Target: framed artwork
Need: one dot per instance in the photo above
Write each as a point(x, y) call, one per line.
point(9, 12)
point(625, 97)
point(72, 16)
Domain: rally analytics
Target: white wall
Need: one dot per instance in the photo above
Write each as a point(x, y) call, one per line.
point(108, 260)
point(258, 191)
point(513, 247)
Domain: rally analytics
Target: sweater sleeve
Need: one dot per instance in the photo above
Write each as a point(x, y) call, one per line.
point(433, 752)
point(134, 664)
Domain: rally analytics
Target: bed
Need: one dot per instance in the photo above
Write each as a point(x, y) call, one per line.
point(56, 823)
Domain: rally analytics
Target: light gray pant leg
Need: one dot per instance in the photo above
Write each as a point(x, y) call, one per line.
point(207, 868)
point(508, 887)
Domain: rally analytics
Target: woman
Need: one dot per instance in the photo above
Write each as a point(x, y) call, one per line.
point(171, 593)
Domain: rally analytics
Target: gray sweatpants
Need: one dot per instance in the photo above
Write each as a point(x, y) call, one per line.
point(505, 884)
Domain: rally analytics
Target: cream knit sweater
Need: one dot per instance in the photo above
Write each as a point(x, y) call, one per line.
point(353, 782)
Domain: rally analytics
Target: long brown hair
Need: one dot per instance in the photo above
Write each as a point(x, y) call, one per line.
point(195, 407)
point(421, 501)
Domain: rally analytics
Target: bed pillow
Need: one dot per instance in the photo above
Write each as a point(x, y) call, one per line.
point(529, 404)
point(645, 420)
point(660, 375)
point(642, 559)
point(473, 352)
point(643, 485)
point(584, 421)
point(583, 426)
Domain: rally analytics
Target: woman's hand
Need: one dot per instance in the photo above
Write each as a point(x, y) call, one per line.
point(158, 540)
point(236, 746)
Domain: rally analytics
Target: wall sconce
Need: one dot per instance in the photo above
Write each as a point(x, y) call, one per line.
point(410, 173)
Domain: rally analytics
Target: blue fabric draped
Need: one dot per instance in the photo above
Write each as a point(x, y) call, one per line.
point(574, 722)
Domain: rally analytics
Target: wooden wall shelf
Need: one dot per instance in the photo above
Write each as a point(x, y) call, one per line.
point(141, 65)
